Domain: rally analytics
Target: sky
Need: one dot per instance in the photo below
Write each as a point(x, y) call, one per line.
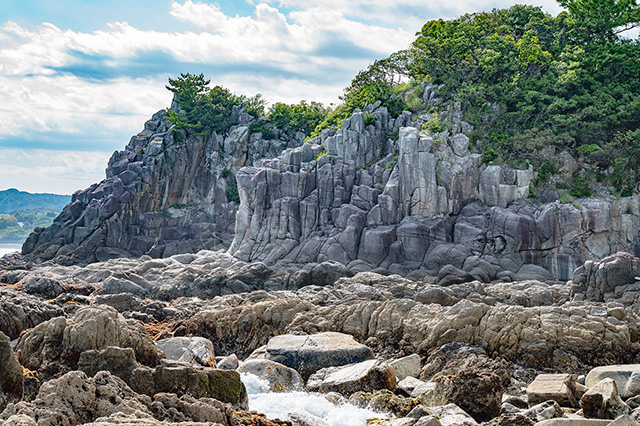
point(78, 78)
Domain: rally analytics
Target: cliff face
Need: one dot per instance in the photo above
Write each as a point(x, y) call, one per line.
point(417, 204)
point(161, 196)
point(434, 209)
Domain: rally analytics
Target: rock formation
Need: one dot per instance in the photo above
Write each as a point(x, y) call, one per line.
point(359, 195)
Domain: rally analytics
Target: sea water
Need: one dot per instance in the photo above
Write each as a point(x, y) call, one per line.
point(278, 405)
point(9, 248)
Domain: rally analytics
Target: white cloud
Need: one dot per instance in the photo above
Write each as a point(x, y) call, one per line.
point(53, 91)
point(62, 172)
point(74, 106)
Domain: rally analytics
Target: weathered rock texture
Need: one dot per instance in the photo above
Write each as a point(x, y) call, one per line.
point(433, 206)
point(55, 345)
point(417, 201)
point(76, 399)
point(11, 376)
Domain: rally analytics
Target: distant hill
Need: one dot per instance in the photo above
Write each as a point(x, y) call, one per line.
point(12, 200)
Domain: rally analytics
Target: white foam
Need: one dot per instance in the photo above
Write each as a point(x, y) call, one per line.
point(278, 405)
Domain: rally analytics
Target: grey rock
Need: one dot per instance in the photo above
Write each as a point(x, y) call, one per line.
point(280, 377)
point(195, 350)
point(11, 375)
point(308, 354)
point(603, 402)
point(408, 366)
point(230, 362)
point(364, 376)
point(626, 377)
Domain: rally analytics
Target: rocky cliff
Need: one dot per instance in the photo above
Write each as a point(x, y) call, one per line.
point(163, 195)
point(379, 192)
point(432, 209)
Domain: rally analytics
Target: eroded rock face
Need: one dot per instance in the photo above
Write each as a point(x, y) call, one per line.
point(76, 399)
point(19, 312)
point(11, 376)
point(56, 345)
point(595, 279)
point(162, 196)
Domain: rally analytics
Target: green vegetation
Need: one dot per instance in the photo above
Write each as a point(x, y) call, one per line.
point(526, 81)
point(369, 119)
point(302, 117)
point(22, 212)
point(267, 133)
point(205, 110)
point(232, 193)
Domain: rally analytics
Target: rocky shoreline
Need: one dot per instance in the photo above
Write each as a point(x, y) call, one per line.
point(165, 341)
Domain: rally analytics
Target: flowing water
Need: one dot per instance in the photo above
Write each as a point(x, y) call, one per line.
point(277, 405)
point(9, 248)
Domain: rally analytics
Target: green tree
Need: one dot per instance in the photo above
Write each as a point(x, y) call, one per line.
point(602, 20)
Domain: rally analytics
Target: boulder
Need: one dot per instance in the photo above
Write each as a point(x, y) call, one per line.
point(408, 366)
point(477, 393)
point(75, 399)
point(20, 311)
point(200, 382)
point(308, 354)
point(55, 345)
point(383, 401)
point(556, 387)
point(627, 378)
point(544, 411)
point(196, 350)
point(514, 419)
point(365, 376)
point(280, 377)
point(407, 385)
point(230, 362)
point(11, 375)
point(603, 402)
point(120, 362)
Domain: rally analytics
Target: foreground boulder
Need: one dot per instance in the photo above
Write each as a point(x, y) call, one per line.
point(55, 345)
point(280, 377)
point(477, 393)
point(76, 399)
point(183, 378)
point(603, 402)
point(365, 376)
point(308, 354)
point(11, 376)
point(627, 378)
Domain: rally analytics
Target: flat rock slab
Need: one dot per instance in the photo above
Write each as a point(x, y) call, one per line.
point(626, 376)
point(555, 387)
point(308, 354)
